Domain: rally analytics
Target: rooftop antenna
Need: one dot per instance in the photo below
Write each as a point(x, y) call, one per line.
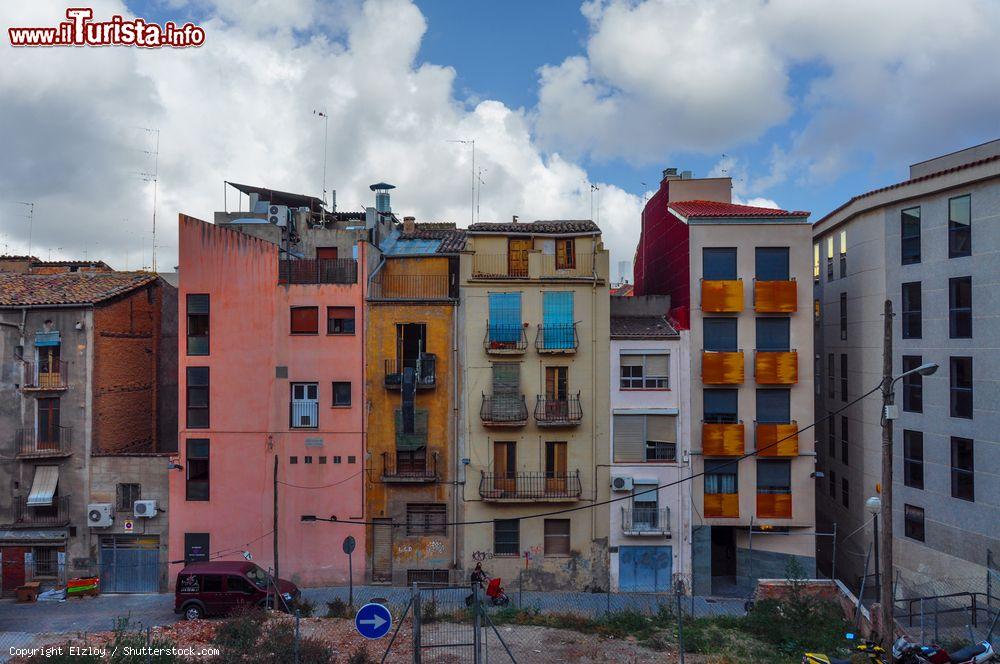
point(153, 176)
point(479, 193)
point(326, 129)
point(594, 188)
point(30, 216)
point(724, 171)
point(472, 142)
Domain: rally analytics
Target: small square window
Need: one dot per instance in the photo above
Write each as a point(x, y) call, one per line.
point(322, 460)
point(336, 459)
point(307, 459)
point(293, 460)
point(340, 320)
point(352, 459)
point(341, 393)
point(305, 320)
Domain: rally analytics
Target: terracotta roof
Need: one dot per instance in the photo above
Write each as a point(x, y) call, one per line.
point(698, 209)
point(641, 327)
point(452, 239)
point(922, 178)
point(556, 226)
point(436, 226)
point(34, 290)
point(623, 290)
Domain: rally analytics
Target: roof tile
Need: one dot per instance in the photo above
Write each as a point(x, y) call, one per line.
point(716, 209)
point(555, 226)
point(68, 287)
point(641, 327)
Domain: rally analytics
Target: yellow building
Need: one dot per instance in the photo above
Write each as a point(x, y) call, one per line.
point(411, 375)
point(534, 340)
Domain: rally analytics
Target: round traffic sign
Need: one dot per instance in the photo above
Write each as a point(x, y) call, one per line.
point(349, 544)
point(373, 621)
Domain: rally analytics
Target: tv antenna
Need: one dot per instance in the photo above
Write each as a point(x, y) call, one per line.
point(595, 189)
point(30, 216)
point(472, 142)
point(326, 147)
point(479, 193)
point(153, 176)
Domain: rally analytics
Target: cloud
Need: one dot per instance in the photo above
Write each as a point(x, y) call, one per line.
point(240, 108)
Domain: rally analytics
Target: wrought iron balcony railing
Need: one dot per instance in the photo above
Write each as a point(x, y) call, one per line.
point(413, 287)
point(318, 271)
point(531, 486)
point(646, 520)
point(557, 338)
point(45, 442)
point(409, 469)
point(505, 339)
point(45, 376)
point(504, 411)
point(558, 412)
point(28, 516)
point(424, 368)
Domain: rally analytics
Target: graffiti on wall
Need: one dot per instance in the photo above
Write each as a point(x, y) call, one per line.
point(424, 550)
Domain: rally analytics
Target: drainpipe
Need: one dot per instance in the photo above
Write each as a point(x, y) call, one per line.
point(454, 425)
point(593, 382)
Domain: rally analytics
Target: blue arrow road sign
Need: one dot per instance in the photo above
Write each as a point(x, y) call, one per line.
point(373, 621)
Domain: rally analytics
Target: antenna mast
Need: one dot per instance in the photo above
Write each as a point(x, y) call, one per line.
point(153, 176)
point(326, 145)
point(472, 142)
point(31, 219)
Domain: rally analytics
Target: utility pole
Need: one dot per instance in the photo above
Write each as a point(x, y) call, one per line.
point(275, 523)
point(885, 580)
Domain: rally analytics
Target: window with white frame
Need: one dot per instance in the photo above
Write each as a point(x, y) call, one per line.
point(648, 371)
point(642, 438)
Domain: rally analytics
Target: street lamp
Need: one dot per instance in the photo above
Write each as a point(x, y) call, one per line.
point(874, 506)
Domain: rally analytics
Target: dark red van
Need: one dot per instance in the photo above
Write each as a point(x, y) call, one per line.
point(218, 587)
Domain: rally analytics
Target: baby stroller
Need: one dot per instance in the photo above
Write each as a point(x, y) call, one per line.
point(495, 595)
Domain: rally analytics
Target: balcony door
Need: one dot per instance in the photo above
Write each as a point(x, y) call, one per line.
point(556, 393)
point(505, 466)
point(48, 366)
point(411, 342)
point(305, 405)
point(645, 507)
point(517, 256)
point(555, 468)
point(48, 424)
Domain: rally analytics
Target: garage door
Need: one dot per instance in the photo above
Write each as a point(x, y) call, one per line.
point(645, 568)
point(130, 564)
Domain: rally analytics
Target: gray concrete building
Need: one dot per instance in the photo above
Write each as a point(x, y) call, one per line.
point(930, 245)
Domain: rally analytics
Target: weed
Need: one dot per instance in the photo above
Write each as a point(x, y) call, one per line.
point(360, 656)
point(338, 608)
point(305, 607)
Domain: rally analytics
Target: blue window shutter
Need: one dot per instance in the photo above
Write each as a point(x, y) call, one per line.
point(557, 319)
point(505, 317)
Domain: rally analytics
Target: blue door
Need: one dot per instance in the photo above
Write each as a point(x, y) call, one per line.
point(645, 568)
point(558, 332)
point(130, 564)
point(505, 319)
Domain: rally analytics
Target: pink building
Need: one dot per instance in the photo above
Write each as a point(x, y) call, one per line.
point(271, 381)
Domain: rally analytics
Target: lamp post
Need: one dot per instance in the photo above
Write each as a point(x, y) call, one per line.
point(874, 505)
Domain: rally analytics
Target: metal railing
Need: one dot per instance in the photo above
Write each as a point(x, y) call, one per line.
point(581, 266)
point(56, 514)
point(558, 412)
point(425, 370)
point(413, 287)
point(503, 338)
point(47, 442)
point(303, 414)
point(393, 470)
point(557, 338)
point(530, 485)
point(45, 376)
point(504, 410)
point(646, 520)
point(497, 266)
point(318, 271)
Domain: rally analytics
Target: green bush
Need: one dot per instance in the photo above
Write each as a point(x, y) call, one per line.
point(338, 608)
point(238, 635)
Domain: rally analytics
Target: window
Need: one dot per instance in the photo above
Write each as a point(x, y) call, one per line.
point(307, 459)
point(909, 233)
point(718, 264)
point(912, 327)
point(771, 264)
point(505, 326)
point(555, 464)
point(816, 263)
point(913, 385)
point(843, 377)
point(558, 330)
point(844, 440)
point(960, 308)
point(305, 320)
point(565, 253)
point(556, 537)
point(211, 583)
point(507, 537)
point(427, 577)
point(962, 469)
point(341, 393)
point(773, 334)
point(829, 258)
point(304, 406)
point(961, 387)
point(237, 584)
point(197, 397)
point(197, 324)
point(46, 560)
point(340, 320)
point(831, 437)
point(843, 316)
point(843, 254)
point(720, 334)
point(774, 476)
point(639, 438)
point(913, 459)
point(845, 492)
point(293, 460)
point(126, 495)
point(831, 377)
point(721, 406)
point(426, 519)
point(196, 469)
point(720, 477)
point(913, 522)
point(48, 423)
point(833, 485)
point(645, 372)
point(959, 226)
point(774, 406)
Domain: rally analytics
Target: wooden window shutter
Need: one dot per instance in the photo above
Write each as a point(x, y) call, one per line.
point(661, 428)
point(630, 438)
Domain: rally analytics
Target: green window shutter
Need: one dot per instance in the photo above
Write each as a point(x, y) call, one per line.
point(417, 439)
point(506, 378)
point(630, 438)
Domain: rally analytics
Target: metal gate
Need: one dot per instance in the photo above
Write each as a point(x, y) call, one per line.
point(645, 568)
point(130, 564)
point(382, 550)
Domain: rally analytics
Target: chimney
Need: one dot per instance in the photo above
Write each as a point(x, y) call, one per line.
point(409, 225)
point(514, 219)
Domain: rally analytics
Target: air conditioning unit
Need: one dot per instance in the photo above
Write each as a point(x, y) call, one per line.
point(277, 214)
point(144, 508)
point(621, 483)
point(100, 515)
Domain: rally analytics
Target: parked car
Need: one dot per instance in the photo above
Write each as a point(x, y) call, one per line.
point(219, 587)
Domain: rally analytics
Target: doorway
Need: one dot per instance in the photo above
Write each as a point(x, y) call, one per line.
point(724, 561)
point(382, 551)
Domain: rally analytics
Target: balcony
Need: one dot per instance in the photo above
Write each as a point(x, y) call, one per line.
point(424, 369)
point(408, 471)
point(497, 266)
point(774, 504)
point(580, 267)
point(558, 338)
point(722, 367)
point(722, 505)
point(534, 265)
point(503, 339)
point(558, 412)
point(768, 435)
point(530, 486)
point(35, 516)
point(775, 297)
point(318, 271)
point(722, 439)
point(649, 521)
point(776, 367)
point(46, 376)
point(46, 443)
point(504, 411)
point(303, 414)
point(721, 296)
point(413, 287)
